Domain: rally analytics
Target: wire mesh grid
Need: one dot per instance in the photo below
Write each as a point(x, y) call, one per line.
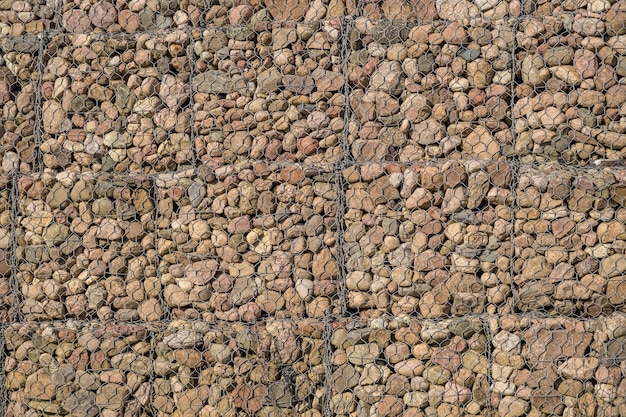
point(325, 208)
point(248, 241)
point(186, 367)
point(116, 102)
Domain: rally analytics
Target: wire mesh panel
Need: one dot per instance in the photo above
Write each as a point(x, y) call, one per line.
point(18, 85)
point(8, 296)
point(409, 367)
point(312, 208)
point(438, 10)
point(583, 9)
point(430, 91)
point(245, 242)
point(570, 92)
point(228, 12)
point(569, 241)
point(116, 103)
point(269, 91)
point(131, 17)
point(270, 369)
point(28, 18)
point(86, 249)
point(428, 240)
point(558, 366)
point(79, 369)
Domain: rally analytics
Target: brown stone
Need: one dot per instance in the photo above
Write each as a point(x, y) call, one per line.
point(76, 20)
point(544, 346)
point(103, 14)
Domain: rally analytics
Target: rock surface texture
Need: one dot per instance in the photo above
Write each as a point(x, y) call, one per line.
point(313, 208)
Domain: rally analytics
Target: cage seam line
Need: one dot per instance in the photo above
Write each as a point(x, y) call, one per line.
point(38, 163)
point(17, 315)
point(192, 116)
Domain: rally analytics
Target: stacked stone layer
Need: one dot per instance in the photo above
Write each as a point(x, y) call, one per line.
point(268, 91)
point(116, 103)
point(422, 91)
point(85, 248)
point(506, 365)
point(184, 368)
point(432, 240)
point(569, 102)
point(569, 241)
point(248, 241)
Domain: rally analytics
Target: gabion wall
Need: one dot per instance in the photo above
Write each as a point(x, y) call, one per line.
point(360, 208)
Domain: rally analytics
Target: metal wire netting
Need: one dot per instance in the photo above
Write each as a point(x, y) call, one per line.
point(326, 208)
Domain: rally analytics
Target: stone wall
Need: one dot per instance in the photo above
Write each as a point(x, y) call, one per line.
point(313, 208)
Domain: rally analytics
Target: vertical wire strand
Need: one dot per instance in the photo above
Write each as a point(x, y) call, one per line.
point(192, 114)
point(38, 165)
point(17, 315)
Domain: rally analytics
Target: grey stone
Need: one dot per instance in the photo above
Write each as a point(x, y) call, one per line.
point(217, 82)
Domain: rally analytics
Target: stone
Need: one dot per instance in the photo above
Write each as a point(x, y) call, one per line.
point(456, 394)
point(468, 54)
point(585, 62)
point(174, 93)
point(388, 77)
point(511, 406)
point(454, 33)
point(112, 396)
point(567, 73)
point(81, 403)
point(344, 378)
point(456, 9)
point(612, 266)
point(387, 32)
point(129, 21)
point(615, 18)
point(241, 14)
point(581, 369)
point(103, 14)
point(389, 406)
point(184, 338)
point(190, 401)
point(475, 362)
point(559, 55)
point(507, 342)
point(544, 346)
point(269, 81)
point(427, 132)
point(416, 108)
point(534, 71)
point(480, 73)
point(39, 386)
point(150, 310)
point(201, 272)
point(362, 354)
point(328, 80)
point(429, 260)
point(481, 144)
point(53, 117)
point(109, 229)
point(76, 20)
point(410, 367)
point(298, 84)
point(324, 265)
point(484, 5)
point(437, 375)
point(282, 10)
point(612, 140)
point(217, 82)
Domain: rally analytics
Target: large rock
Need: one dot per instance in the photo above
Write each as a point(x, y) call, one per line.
point(217, 82)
